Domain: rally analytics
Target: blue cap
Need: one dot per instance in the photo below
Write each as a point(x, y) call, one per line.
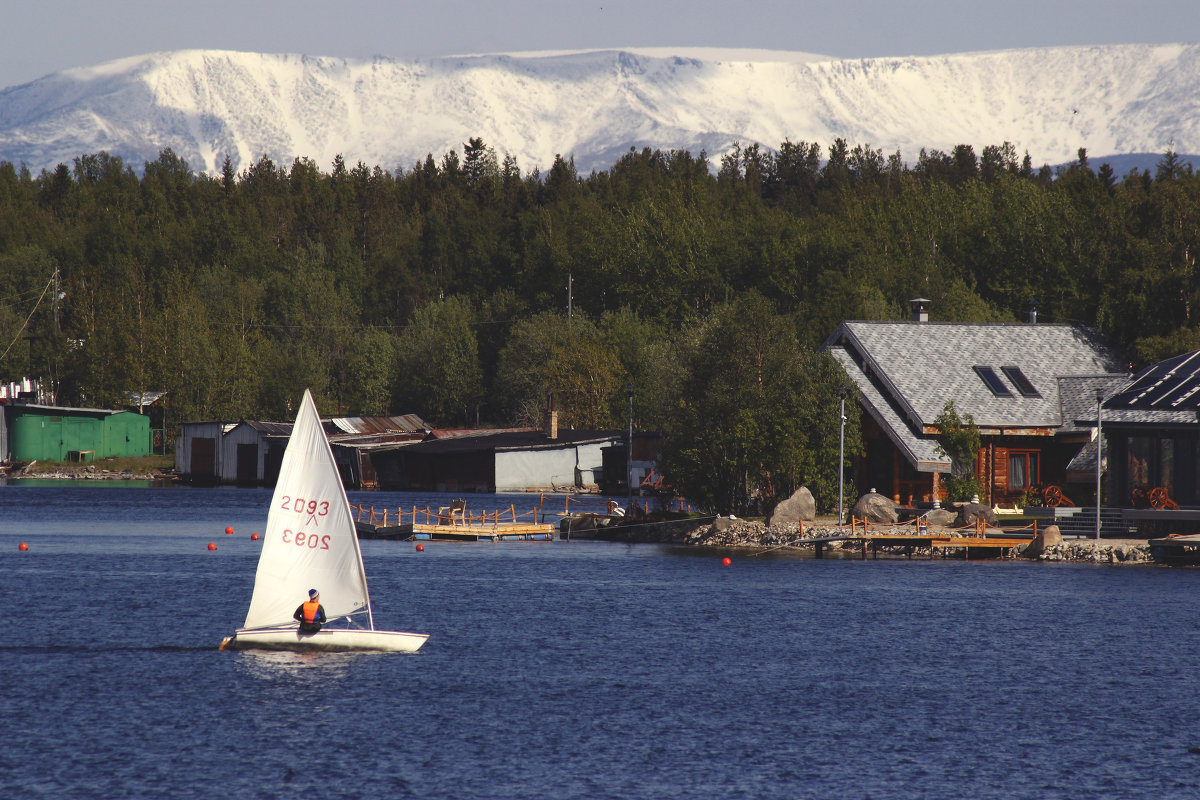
point(312, 593)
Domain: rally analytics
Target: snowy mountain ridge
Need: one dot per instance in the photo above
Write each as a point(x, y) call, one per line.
point(1114, 100)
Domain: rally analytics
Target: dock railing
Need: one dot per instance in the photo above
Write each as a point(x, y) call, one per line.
point(458, 514)
point(978, 528)
point(442, 515)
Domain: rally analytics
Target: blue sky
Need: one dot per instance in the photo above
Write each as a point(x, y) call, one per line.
point(45, 36)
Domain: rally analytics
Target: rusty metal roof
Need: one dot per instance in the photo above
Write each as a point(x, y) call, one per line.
point(458, 433)
point(408, 423)
point(525, 439)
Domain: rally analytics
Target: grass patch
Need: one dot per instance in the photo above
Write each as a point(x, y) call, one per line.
point(140, 464)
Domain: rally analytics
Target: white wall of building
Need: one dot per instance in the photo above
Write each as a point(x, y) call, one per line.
point(531, 470)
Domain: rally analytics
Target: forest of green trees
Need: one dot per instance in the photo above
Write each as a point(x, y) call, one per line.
point(466, 291)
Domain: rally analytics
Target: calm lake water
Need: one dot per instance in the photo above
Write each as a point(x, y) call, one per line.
point(580, 669)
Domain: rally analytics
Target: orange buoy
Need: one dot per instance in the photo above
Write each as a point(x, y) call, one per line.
point(212, 545)
point(727, 561)
point(23, 547)
point(254, 537)
point(420, 548)
point(228, 530)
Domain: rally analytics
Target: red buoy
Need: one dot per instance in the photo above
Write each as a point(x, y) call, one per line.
point(229, 531)
point(22, 547)
point(212, 545)
point(254, 537)
point(420, 548)
point(727, 561)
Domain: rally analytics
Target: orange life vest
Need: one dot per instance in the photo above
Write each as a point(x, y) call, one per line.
point(310, 611)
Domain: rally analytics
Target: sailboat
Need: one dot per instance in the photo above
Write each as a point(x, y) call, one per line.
point(310, 543)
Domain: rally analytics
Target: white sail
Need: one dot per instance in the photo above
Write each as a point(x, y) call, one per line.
point(310, 540)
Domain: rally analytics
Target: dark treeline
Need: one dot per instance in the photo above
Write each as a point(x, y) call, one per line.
point(443, 290)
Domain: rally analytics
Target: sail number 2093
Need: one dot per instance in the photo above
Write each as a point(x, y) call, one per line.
point(301, 506)
point(313, 541)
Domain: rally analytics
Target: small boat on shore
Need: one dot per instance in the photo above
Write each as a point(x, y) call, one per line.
point(1177, 549)
point(310, 542)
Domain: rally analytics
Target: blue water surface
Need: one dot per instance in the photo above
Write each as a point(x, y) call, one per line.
point(580, 669)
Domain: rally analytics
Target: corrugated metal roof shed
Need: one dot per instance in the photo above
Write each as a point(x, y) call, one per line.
point(407, 423)
point(531, 439)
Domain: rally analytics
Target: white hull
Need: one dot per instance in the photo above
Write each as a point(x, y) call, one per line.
point(326, 639)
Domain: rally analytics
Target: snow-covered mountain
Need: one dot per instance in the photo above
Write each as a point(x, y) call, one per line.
point(1121, 100)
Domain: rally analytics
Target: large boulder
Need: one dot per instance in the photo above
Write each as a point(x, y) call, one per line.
point(876, 508)
point(969, 512)
point(942, 517)
point(799, 507)
point(1046, 537)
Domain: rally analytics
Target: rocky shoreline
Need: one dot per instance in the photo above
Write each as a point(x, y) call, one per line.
point(91, 473)
point(728, 533)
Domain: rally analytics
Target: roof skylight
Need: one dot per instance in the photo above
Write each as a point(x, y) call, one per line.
point(993, 382)
point(1023, 384)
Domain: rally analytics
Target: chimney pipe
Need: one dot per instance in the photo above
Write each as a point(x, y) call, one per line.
point(1033, 307)
point(920, 307)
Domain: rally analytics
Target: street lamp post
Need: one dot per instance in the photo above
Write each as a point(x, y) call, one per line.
point(841, 455)
point(1099, 461)
point(629, 452)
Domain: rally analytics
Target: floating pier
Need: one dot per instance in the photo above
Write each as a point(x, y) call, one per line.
point(922, 536)
point(452, 523)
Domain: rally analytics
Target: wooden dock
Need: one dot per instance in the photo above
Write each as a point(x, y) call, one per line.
point(918, 534)
point(453, 523)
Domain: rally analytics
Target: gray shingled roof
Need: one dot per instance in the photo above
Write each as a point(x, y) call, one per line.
point(921, 365)
point(1085, 459)
point(922, 452)
point(1077, 396)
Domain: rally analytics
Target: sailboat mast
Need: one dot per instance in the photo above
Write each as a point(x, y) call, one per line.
point(353, 533)
point(366, 591)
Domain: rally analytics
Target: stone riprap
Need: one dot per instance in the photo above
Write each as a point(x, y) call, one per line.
point(727, 532)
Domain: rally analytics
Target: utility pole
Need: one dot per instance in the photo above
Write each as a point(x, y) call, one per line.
point(57, 294)
point(841, 456)
point(570, 297)
point(54, 336)
point(1099, 462)
point(629, 452)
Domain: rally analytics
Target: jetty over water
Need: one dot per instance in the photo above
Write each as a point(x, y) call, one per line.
point(872, 536)
point(454, 522)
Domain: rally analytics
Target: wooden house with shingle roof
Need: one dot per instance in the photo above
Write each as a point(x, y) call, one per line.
point(1023, 384)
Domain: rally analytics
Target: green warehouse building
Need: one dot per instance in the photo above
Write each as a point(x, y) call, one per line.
point(31, 432)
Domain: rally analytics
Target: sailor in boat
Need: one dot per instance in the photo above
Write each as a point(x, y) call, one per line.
point(310, 615)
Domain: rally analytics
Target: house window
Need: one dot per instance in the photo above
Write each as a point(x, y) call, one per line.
point(1023, 470)
point(1023, 384)
point(1137, 470)
point(1166, 464)
point(993, 381)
